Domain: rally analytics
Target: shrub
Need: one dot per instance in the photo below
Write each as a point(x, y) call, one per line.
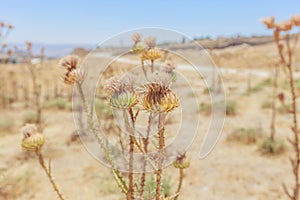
point(245, 135)
point(230, 108)
point(6, 124)
point(60, 104)
point(205, 108)
point(269, 146)
point(30, 117)
point(258, 87)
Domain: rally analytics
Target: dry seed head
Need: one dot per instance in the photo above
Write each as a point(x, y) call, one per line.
point(123, 100)
point(295, 19)
point(10, 26)
point(2, 24)
point(181, 162)
point(269, 22)
point(32, 139)
point(136, 37)
point(284, 25)
point(69, 62)
point(169, 66)
point(157, 97)
point(151, 54)
point(74, 76)
point(150, 42)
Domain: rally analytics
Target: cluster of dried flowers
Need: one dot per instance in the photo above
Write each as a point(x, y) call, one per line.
point(155, 96)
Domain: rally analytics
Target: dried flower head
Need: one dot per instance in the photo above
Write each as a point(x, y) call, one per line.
point(181, 162)
point(295, 19)
point(150, 42)
point(151, 54)
point(73, 74)
point(284, 25)
point(121, 91)
point(123, 100)
point(69, 62)
point(269, 22)
point(32, 139)
point(169, 66)
point(157, 97)
point(136, 37)
point(2, 24)
point(10, 26)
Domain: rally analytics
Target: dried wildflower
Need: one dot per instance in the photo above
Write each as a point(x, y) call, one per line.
point(69, 62)
point(151, 54)
point(284, 25)
point(32, 139)
point(157, 97)
point(150, 42)
point(169, 66)
point(122, 94)
point(295, 19)
point(123, 100)
point(2, 24)
point(136, 37)
point(269, 22)
point(281, 97)
point(73, 74)
point(181, 162)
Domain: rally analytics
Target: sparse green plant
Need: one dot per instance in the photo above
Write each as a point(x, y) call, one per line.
point(269, 146)
point(231, 108)
point(59, 103)
point(6, 124)
point(30, 117)
point(245, 135)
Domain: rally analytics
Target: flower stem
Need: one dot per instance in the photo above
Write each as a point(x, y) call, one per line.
point(161, 145)
point(48, 172)
point(179, 184)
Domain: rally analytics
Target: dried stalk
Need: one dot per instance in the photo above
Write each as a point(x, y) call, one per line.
point(274, 97)
point(145, 144)
point(117, 175)
point(179, 184)
point(49, 175)
point(161, 145)
point(295, 142)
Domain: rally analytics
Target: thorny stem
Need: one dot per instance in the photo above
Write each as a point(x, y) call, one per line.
point(179, 184)
point(117, 175)
point(145, 143)
point(274, 96)
point(161, 145)
point(130, 194)
point(48, 172)
point(296, 160)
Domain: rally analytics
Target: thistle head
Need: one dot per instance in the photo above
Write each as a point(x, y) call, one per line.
point(151, 54)
point(158, 97)
point(295, 19)
point(136, 38)
point(284, 25)
point(121, 92)
point(150, 42)
point(73, 73)
point(32, 139)
point(181, 162)
point(269, 22)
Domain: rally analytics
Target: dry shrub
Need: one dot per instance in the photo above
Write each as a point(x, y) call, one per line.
point(245, 135)
point(270, 146)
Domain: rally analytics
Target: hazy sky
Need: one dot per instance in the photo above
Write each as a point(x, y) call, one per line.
point(92, 21)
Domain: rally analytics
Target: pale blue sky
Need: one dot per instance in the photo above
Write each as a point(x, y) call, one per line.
point(92, 21)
